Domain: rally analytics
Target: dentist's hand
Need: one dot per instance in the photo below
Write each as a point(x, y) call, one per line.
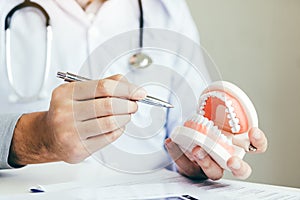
point(83, 117)
point(199, 165)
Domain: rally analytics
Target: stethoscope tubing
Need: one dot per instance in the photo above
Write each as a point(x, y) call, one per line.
point(8, 55)
point(8, 21)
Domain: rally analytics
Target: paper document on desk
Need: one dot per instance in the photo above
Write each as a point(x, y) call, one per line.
point(165, 184)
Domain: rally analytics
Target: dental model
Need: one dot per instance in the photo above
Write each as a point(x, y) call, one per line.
point(224, 117)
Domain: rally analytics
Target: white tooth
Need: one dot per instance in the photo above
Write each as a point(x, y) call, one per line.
point(231, 123)
point(215, 129)
point(197, 118)
point(201, 118)
point(193, 119)
point(204, 97)
point(230, 109)
point(223, 137)
point(229, 116)
point(235, 120)
point(219, 133)
point(201, 112)
point(223, 98)
point(205, 121)
point(228, 103)
point(234, 129)
point(201, 107)
point(209, 124)
point(237, 128)
point(232, 114)
point(215, 94)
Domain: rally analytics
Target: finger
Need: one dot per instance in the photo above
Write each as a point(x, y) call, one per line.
point(185, 165)
point(94, 127)
point(239, 168)
point(96, 143)
point(212, 170)
point(118, 77)
point(258, 140)
point(107, 88)
point(94, 108)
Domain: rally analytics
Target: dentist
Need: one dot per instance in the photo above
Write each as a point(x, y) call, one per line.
point(45, 128)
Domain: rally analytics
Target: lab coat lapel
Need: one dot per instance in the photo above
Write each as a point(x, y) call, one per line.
point(73, 8)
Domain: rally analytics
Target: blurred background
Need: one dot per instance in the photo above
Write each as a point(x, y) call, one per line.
point(256, 45)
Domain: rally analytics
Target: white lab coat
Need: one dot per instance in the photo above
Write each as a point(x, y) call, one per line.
point(75, 37)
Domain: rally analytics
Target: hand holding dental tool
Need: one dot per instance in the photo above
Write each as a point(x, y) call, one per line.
point(69, 77)
point(82, 118)
point(221, 125)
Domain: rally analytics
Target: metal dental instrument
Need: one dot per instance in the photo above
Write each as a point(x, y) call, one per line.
point(69, 77)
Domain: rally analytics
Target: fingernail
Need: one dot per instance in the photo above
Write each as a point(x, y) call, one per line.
point(200, 154)
point(257, 135)
point(167, 141)
point(236, 164)
point(140, 93)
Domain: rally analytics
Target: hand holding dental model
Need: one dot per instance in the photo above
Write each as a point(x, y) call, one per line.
point(222, 130)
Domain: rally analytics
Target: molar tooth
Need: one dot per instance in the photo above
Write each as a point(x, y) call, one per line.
point(230, 109)
point(231, 123)
point(217, 94)
point(223, 98)
point(228, 103)
point(232, 114)
point(235, 120)
point(234, 129)
point(205, 121)
point(194, 118)
point(237, 128)
point(209, 124)
point(201, 118)
point(204, 97)
point(215, 129)
point(219, 133)
point(223, 137)
point(197, 118)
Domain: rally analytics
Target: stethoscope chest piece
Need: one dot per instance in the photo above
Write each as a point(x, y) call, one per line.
point(140, 60)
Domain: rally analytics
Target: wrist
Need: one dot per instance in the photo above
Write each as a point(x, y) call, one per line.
point(30, 143)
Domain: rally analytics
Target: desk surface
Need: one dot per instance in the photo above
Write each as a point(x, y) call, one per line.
point(18, 181)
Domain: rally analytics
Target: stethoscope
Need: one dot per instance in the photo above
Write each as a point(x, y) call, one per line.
point(138, 60)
